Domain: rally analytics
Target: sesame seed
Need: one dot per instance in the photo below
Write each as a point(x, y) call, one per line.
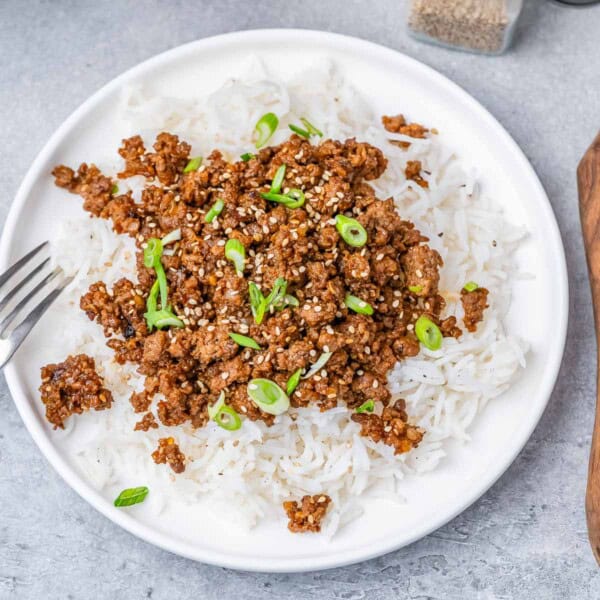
point(379, 256)
point(419, 273)
point(410, 327)
point(325, 348)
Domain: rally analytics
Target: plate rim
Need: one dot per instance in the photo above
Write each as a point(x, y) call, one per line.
point(229, 559)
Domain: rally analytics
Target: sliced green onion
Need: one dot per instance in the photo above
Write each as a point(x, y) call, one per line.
point(321, 362)
point(257, 302)
point(366, 407)
point(290, 301)
point(228, 419)
point(296, 198)
point(311, 128)
point(114, 189)
point(352, 232)
point(415, 289)
point(300, 131)
point(173, 236)
point(292, 382)
point(131, 496)
point(193, 164)
point(268, 396)
point(244, 341)
point(236, 253)
point(247, 156)
point(275, 298)
point(152, 300)
point(213, 409)
point(162, 318)
point(278, 180)
point(215, 211)
point(357, 305)
point(293, 199)
point(152, 252)
point(471, 286)
point(161, 277)
point(428, 333)
point(265, 128)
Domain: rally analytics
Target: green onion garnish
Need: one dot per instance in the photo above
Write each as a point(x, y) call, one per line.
point(265, 128)
point(152, 252)
point(268, 396)
point(311, 128)
point(114, 189)
point(415, 289)
point(428, 333)
point(257, 302)
point(173, 236)
point(215, 211)
point(131, 496)
point(471, 286)
point(300, 131)
point(193, 164)
point(321, 362)
point(292, 382)
point(289, 300)
point(224, 416)
point(278, 180)
point(247, 156)
point(352, 232)
point(278, 299)
point(228, 419)
point(357, 305)
point(162, 318)
point(236, 253)
point(213, 409)
point(152, 255)
point(244, 341)
point(366, 407)
point(293, 199)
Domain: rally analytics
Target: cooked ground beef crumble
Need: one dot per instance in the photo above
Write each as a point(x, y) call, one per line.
point(72, 386)
point(396, 272)
point(308, 514)
point(168, 452)
point(474, 303)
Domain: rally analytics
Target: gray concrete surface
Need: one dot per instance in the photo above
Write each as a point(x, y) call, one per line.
point(526, 538)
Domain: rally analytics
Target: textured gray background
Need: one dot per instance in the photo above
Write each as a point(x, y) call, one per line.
point(526, 538)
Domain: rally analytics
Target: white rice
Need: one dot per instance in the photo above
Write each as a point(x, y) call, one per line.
point(248, 473)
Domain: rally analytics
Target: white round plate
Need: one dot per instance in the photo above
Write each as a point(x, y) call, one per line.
point(394, 83)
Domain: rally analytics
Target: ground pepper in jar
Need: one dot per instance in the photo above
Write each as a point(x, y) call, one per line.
point(477, 25)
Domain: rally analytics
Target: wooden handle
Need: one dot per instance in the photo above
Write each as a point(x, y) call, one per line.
point(588, 180)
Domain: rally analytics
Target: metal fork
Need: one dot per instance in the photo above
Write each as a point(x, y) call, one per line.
point(9, 342)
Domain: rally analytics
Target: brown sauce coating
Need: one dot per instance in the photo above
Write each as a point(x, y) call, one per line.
point(190, 366)
point(307, 514)
point(72, 387)
point(391, 428)
point(474, 304)
point(168, 452)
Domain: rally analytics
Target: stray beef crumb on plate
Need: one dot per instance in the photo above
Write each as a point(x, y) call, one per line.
point(276, 281)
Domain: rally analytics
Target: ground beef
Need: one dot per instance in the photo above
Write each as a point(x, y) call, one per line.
point(147, 422)
point(396, 272)
point(308, 514)
point(168, 452)
point(421, 267)
point(391, 428)
point(474, 303)
point(398, 124)
point(72, 386)
point(413, 172)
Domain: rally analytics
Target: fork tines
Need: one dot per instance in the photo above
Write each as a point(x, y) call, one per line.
point(16, 297)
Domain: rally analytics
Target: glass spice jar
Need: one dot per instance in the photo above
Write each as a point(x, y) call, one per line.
point(484, 26)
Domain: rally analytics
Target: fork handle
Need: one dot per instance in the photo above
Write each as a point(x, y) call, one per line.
point(588, 181)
